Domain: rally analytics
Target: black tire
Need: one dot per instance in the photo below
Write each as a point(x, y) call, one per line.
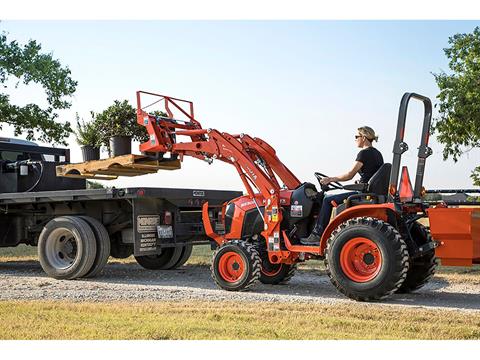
point(67, 247)
point(384, 264)
point(245, 268)
point(186, 253)
point(119, 250)
point(164, 261)
point(276, 274)
point(103, 246)
point(422, 268)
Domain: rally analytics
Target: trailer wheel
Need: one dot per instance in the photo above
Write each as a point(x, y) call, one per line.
point(119, 250)
point(422, 268)
point(186, 252)
point(67, 247)
point(103, 246)
point(236, 266)
point(366, 259)
point(164, 261)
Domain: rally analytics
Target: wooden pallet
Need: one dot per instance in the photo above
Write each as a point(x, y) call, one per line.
point(112, 168)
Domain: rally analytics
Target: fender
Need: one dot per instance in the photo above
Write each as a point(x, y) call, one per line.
point(208, 226)
point(379, 211)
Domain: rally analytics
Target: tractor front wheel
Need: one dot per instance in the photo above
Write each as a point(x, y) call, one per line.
point(366, 259)
point(236, 266)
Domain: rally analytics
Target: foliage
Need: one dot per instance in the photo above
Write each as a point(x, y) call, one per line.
point(94, 185)
point(28, 64)
point(87, 133)
point(458, 125)
point(120, 119)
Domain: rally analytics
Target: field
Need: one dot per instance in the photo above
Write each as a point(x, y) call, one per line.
point(200, 319)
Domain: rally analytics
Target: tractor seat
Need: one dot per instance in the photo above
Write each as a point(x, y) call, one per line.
point(376, 189)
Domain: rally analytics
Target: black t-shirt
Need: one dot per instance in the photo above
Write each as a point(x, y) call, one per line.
point(371, 159)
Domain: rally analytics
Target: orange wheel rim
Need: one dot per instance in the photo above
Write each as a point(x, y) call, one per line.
point(274, 269)
point(231, 266)
point(360, 259)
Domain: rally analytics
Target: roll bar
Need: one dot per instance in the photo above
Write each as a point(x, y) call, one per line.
point(400, 146)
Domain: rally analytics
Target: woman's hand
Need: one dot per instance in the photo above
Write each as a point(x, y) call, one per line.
point(327, 180)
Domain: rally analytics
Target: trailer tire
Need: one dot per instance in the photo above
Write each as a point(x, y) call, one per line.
point(236, 266)
point(164, 261)
point(422, 268)
point(103, 246)
point(186, 253)
point(67, 247)
point(366, 259)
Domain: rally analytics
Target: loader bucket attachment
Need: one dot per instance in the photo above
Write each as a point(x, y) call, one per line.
point(458, 232)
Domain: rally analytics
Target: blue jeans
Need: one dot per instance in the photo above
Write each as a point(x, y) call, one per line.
point(326, 210)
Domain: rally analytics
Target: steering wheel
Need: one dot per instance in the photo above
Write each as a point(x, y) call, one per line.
point(331, 186)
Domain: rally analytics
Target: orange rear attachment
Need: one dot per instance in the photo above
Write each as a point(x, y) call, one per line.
point(458, 232)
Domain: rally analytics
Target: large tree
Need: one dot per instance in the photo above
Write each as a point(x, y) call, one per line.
point(28, 64)
point(458, 124)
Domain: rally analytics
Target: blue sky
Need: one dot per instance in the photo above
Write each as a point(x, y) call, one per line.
point(303, 86)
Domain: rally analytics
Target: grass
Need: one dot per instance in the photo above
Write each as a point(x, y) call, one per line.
point(228, 320)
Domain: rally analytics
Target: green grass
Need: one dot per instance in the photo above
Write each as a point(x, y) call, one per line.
point(228, 320)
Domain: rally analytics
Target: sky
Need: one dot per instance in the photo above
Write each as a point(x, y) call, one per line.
point(303, 86)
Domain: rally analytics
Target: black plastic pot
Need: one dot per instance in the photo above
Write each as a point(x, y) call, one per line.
point(120, 145)
point(90, 153)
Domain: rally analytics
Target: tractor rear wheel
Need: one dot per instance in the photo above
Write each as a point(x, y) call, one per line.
point(236, 266)
point(366, 259)
point(422, 268)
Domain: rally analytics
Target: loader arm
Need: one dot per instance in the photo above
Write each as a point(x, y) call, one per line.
point(255, 161)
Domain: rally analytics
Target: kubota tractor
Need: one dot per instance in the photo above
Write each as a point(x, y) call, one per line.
point(373, 246)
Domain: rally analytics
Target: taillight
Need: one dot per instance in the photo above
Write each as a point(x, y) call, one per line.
point(167, 218)
point(405, 190)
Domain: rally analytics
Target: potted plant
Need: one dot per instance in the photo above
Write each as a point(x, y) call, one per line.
point(118, 126)
point(88, 138)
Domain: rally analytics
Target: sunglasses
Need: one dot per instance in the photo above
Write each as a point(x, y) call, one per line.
point(358, 136)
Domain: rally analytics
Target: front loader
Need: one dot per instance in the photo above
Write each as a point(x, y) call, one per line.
point(374, 244)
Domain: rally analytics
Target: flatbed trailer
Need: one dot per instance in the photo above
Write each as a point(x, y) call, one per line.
point(139, 221)
point(77, 229)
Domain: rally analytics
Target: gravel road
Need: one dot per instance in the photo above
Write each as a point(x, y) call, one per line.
point(25, 280)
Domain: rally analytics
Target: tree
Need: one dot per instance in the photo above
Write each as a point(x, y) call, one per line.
point(28, 64)
point(458, 124)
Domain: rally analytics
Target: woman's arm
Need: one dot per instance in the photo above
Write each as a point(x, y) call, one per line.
point(345, 177)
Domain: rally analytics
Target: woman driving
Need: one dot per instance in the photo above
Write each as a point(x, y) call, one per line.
point(368, 161)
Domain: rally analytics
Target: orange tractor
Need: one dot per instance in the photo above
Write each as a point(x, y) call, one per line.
point(374, 244)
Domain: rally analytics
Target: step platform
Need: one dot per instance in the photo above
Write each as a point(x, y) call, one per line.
point(112, 168)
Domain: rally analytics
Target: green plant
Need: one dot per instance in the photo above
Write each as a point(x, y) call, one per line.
point(87, 133)
point(119, 119)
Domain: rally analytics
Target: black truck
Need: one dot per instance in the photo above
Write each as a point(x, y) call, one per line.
point(77, 229)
